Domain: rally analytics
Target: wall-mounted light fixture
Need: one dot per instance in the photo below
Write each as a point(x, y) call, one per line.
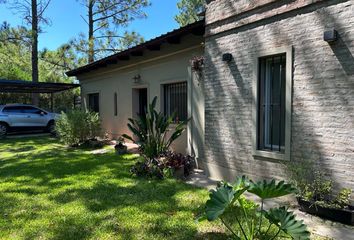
point(330, 36)
point(137, 78)
point(227, 57)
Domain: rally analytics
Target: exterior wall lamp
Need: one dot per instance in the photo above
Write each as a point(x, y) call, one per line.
point(227, 57)
point(137, 78)
point(330, 36)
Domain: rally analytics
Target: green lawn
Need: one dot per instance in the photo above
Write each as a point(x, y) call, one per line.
point(50, 192)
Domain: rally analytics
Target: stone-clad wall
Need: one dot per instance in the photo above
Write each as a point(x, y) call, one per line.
point(323, 85)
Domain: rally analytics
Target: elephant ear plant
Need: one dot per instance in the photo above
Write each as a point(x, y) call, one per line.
point(264, 224)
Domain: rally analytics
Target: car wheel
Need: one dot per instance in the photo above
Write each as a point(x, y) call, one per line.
point(3, 130)
point(51, 128)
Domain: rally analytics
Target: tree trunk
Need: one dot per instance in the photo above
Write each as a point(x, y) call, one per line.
point(35, 96)
point(91, 54)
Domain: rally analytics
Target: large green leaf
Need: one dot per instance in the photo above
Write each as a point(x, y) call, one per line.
point(240, 186)
point(265, 190)
point(219, 200)
point(150, 131)
point(128, 137)
point(241, 182)
point(287, 223)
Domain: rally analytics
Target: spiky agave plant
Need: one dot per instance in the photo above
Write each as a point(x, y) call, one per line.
point(151, 130)
point(229, 195)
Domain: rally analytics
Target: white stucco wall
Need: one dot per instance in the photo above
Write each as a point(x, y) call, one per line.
point(171, 64)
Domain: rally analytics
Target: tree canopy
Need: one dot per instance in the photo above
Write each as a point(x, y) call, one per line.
point(15, 57)
point(188, 11)
point(32, 13)
point(15, 64)
point(105, 20)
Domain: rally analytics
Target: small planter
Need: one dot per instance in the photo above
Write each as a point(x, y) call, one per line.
point(121, 149)
point(345, 216)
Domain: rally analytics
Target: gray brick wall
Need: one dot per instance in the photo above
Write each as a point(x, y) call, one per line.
point(323, 86)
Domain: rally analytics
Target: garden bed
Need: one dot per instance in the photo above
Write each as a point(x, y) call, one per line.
point(345, 216)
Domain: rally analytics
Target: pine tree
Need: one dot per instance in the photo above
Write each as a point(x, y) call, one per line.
point(188, 11)
point(33, 14)
point(104, 20)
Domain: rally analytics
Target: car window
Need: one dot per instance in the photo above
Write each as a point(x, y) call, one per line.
point(13, 109)
point(31, 110)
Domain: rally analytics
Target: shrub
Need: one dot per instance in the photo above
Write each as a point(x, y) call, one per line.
point(342, 198)
point(320, 192)
point(78, 126)
point(164, 166)
point(149, 169)
point(315, 187)
point(151, 131)
point(263, 224)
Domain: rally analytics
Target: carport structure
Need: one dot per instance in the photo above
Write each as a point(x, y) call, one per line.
point(20, 86)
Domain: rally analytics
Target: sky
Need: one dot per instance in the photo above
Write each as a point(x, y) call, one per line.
point(66, 22)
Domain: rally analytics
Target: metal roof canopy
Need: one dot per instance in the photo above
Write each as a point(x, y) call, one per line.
point(20, 86)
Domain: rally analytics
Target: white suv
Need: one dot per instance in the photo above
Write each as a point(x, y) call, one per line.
point(19, 116)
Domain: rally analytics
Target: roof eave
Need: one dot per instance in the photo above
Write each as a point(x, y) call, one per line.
point(196, 28)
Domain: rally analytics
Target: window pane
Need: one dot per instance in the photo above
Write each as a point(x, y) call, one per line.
point(31, 110)
point(115, 104)
point(93, 102)
point(271, 129)
point(17, 109)
point(143, 101)
point(175, 100)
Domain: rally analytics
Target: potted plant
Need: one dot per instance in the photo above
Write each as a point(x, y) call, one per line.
point(317, 198)
point(120, 147)
point(197, 63)
point(315, 193)
point(181, 165)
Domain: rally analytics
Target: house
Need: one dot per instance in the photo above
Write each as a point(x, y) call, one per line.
point(120, 86)
point(279, 87)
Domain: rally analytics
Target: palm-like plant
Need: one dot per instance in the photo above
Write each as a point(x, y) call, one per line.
point(151, 130)
point(228, 195)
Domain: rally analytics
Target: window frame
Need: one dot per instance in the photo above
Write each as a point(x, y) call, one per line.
point(288, 51)
point(88, 101)
point(163, 105)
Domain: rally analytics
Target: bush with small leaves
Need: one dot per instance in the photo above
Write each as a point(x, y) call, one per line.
point(78, 126)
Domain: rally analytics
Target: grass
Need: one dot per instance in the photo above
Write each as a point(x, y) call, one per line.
point(48, 191)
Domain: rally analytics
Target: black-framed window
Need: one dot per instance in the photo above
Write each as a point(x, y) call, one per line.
point(94, 102)
point(271, 103)
point(175, 100)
